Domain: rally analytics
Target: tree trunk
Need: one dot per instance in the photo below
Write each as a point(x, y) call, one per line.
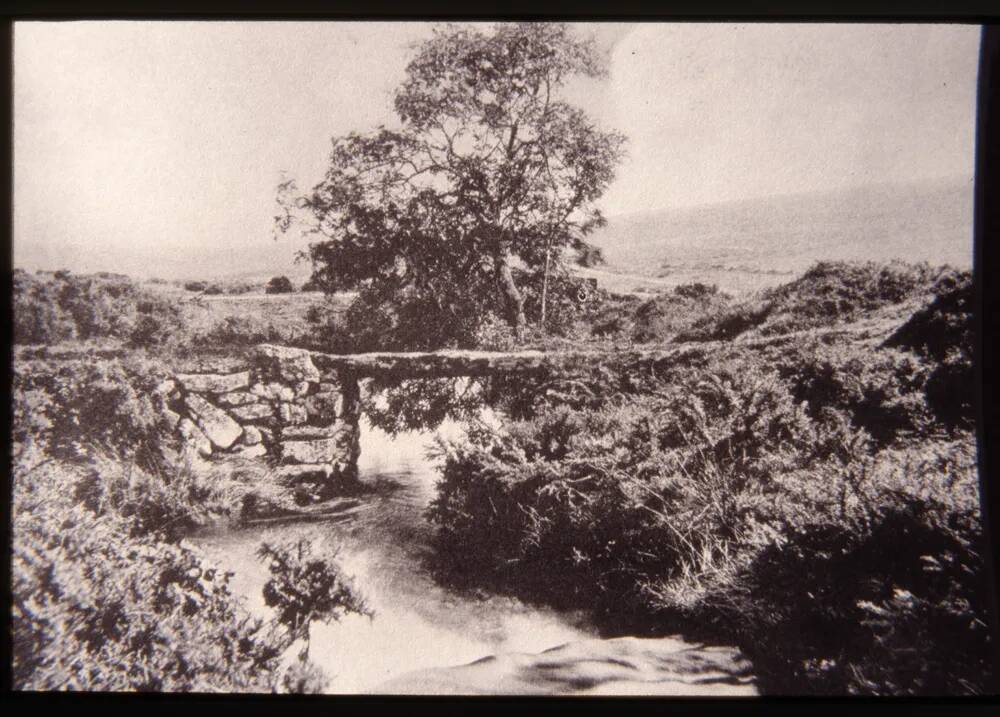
point(545, 285)
point(515, 301)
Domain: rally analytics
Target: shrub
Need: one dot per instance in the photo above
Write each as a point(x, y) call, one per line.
point(566, 496)
point(213, 289)
point(109, 306)
point(696, 290)
point(834, 292)
point(742, 497)
point(943, 332)
point(97, 606)
point(238, 332)
point(828, 294)
point(667, 316)
point(195, 285)
point(279, 285)
point(304, 587)
point(67, 406)
point(882, 391)
point(877, 586)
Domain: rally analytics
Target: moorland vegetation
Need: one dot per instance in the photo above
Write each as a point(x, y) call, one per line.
point(800, 480)
point(803, 482)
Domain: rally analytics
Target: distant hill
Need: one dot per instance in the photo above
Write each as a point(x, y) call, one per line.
point(740, 246)
point(749, 244)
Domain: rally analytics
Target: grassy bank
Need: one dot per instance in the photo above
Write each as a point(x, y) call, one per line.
point(815, 500)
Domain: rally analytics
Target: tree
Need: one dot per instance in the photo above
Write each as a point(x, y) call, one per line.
point(279, 285)
point(488, 171)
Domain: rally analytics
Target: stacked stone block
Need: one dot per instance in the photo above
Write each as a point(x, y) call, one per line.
point(276, 406)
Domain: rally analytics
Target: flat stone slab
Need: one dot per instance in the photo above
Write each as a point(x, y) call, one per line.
point(215, 423)
point(291, 364)
point(214, 382)
point(445, 364)
point(309, 433)
point(255, 451)
point(236, 398)
point(317, 450)
point(253, 412)
point(194, 436)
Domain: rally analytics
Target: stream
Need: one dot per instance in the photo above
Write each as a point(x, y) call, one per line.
point(424, 638)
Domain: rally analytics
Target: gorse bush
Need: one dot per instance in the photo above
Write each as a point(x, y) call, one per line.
point(68, 406)
point(667, 481)
point(832, 292)
point(809, 498)
point(828, 294)
point(882, 391)
point(304, 587)
point(98, 605)
point(877, 585)
point(942, 332)
point(667, 315)
point(67, 308)
point(239, 332)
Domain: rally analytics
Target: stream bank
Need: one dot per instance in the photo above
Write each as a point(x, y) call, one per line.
point(427, 639)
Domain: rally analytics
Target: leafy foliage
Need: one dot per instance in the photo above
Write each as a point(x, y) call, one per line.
point(114, 404)
point(99, 606)
point(304, 587)
point(809, 498)
point(943, 332)
point(489, 168)
point(66, 308)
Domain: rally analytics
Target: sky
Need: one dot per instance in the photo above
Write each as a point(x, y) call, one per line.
point(142, 147)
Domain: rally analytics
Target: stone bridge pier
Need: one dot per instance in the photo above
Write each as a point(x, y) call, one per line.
point(276, 405)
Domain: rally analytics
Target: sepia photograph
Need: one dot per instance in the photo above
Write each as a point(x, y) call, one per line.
point(496, 358)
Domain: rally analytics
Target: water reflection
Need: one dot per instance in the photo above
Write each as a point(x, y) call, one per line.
point(417, 623)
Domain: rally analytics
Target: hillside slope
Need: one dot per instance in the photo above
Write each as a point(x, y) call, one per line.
point(763, 242)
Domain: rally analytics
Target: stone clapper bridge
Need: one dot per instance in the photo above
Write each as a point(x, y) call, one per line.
point(302, 409)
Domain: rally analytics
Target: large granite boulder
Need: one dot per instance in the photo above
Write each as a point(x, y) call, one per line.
point(215, 423)
point(214, 382)
point(290, 364)
point(317, 450)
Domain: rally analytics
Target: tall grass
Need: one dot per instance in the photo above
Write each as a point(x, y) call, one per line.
point(814, 502)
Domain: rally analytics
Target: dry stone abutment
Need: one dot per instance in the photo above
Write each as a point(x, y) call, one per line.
point(275, 405)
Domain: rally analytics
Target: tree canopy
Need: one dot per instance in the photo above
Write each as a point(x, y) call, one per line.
point(488, 177)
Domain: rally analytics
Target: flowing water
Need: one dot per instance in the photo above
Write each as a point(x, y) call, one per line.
point(423, 636)
point(417, 623)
